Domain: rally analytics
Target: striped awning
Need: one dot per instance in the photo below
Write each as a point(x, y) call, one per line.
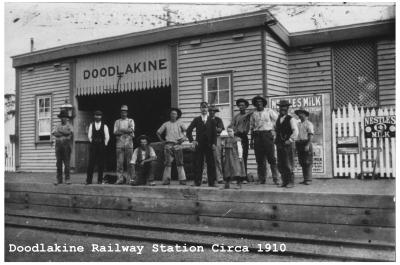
point(122, 71)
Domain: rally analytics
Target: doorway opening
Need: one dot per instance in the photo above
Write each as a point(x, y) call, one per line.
point(148, 109)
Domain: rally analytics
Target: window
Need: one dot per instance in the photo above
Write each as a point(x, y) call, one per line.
point(218, 89)
point(43, 115)
point(355, 78)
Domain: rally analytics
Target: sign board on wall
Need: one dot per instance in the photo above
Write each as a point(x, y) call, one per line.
point(319, 106)
point(380, 126)
point(126, 70)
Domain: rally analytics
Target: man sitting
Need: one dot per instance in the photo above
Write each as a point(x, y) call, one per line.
point(142, 163)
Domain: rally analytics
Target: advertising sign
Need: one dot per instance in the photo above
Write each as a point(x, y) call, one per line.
point(380, 126)
point(319, 106)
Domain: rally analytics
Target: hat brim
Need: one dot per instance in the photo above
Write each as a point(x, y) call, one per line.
point(242, 100)
point(143, 137)
point(254, 101)
point(301, 111)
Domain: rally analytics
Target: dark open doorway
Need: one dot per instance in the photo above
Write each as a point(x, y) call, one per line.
point(148, 108)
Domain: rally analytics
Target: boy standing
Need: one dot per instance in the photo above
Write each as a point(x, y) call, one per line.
point(63, 134)
point(304, 145)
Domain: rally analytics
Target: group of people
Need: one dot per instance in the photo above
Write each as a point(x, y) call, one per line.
point(224, 151)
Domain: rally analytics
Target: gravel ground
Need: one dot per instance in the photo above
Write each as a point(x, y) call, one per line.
point(25, 237)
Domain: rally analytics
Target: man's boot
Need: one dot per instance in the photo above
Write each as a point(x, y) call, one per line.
point(167, 176)
point(290, 178)
point(181, 175)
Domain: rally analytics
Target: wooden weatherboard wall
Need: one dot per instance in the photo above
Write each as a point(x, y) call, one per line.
point(242, 55)
point(276, 67)
point(386, 50)
point(310, 70)
point(39, 80)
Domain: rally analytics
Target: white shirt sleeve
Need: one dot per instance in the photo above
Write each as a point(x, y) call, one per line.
point(90, 133)
point(152, 153)
point(310, 128)
point(295, 128)
point(106, 134)
point(134, 156)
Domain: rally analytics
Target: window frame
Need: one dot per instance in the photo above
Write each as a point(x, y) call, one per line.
point(206, 76)
point(37, 106)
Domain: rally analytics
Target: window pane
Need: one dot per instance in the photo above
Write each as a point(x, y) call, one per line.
point(47, 103)
point(212, 84)
point(224, 83)
point(212, 98)
point(44, 127)
point(41, 103)
point(224, 97)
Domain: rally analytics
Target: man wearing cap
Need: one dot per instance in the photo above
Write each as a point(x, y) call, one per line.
point(63, 135)
point(98, 137)
point(203, 146)
point(304, 145)
point(241, 127)
point(214, 130)
point(174, 131)
point(143, 163)
point(286, 135)
point(124, 129)
point(262, 126)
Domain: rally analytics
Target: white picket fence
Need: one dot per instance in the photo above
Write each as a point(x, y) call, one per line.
point(10, 157)
point(349, 121)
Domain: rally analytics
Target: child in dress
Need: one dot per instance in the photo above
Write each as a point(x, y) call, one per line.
point(233, 165)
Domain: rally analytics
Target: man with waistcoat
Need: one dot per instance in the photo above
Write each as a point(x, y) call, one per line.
point(99, 136)
point(262, 127)
point(143, 163)
point(203, 145)
point(286, 135)
point(124, 129)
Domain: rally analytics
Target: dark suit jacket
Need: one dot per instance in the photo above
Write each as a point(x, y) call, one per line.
point(205, 133)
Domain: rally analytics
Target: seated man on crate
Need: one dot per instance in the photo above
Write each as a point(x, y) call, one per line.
point(142, 164)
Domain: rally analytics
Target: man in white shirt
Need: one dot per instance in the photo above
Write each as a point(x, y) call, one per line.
point(142, 163)
point(174, 131)
point(98, 137)
point(262, 127)
point(124, 129)
point(286, 135)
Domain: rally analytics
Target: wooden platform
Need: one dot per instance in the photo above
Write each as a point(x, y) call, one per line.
point(337, 225)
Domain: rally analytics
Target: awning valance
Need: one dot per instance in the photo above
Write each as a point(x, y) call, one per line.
point(121, 71)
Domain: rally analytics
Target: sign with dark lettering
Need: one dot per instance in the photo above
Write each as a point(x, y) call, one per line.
point(380, 126)
point(127, 70)
point(347, 145)
point(318, 105)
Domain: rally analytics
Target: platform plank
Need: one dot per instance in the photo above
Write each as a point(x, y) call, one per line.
point(364, 234)
point(275, 196)
point(264, 211)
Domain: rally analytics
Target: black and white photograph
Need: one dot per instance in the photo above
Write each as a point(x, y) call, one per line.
point(199, 131)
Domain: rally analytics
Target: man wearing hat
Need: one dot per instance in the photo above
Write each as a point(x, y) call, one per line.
point(142, 163)
point(124, 129)
point(262, 126)
point(241, 127)
point(286, 135)
point(203, 146)
point(174, 131)
point(63, 136)
point(304, 145)
point(216, 126)
point(98, 137)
